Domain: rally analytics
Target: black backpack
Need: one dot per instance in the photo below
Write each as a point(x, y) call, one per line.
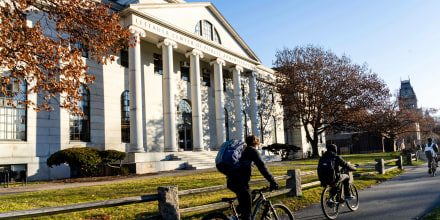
point(326, 171)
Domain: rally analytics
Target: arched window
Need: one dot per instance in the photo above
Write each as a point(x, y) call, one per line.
point(274, 129)
point(80, 126)
point(206, 29)
point(125, 117)
point(184, 125)
point(13, 112)
point(227, 124)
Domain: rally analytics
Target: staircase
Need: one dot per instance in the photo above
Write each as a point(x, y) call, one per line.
point(198, 160)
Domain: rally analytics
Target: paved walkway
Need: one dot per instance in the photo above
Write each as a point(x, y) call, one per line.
point(62, 185)
point(409, 196)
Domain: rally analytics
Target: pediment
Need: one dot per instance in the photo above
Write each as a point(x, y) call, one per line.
point(186, 17)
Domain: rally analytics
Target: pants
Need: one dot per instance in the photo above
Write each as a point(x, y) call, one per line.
point(244, 195)
point(345, 179)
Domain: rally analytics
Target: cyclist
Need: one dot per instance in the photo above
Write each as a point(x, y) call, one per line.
point(238, 182)
point(430, 152)
point(331, 153)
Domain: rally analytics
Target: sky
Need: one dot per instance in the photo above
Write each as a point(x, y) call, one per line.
point(398, 39)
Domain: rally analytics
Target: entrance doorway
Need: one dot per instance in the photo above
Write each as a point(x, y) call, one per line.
point(185, 126)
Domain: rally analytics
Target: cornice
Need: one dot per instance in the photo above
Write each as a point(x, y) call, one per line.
point(136, 9)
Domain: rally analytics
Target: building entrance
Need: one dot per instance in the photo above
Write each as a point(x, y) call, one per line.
point(185, 126)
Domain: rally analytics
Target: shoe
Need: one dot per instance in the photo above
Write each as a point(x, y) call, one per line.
point(349, 197)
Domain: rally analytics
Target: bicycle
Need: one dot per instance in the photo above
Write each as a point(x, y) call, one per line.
point(264, 209)
point(333, 196)
point(432, 165)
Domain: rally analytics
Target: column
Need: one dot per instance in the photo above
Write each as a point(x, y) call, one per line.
point(135, 89)
point(196, 99)
point(219, 101)
point(254, 104)
point(169, 110)
point(237, 102)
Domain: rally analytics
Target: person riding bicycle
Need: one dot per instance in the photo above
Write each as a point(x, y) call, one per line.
point(238, 182)
point(430, 152)
point(331, 153)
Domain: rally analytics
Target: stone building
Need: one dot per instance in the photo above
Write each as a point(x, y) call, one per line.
point(189, 85)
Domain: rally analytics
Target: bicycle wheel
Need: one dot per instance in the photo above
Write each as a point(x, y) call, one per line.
point(433, 168)
point(329, 203)
point(279, 212)
point(353, 204)
point(215, 216)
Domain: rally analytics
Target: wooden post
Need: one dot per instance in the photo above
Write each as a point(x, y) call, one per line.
point(168, 202)
point(294, 182)
point(399, 163)
point(380, 166)
point(409, 158)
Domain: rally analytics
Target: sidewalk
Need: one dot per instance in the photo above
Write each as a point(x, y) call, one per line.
point(64, 185)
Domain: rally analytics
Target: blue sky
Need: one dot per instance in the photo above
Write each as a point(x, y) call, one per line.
point(398, 39)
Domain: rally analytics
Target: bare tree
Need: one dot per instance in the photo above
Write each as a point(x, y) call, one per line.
point(320, 90)
point(41, 43)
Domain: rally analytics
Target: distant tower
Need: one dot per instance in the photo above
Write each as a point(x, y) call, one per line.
point(407, 96)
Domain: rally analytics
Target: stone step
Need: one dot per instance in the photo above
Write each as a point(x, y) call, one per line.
point(198, 160)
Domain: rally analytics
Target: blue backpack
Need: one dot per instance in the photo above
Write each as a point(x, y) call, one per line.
point(228, 157)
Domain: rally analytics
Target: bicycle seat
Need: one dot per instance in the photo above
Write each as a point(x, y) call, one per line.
point(228, 199)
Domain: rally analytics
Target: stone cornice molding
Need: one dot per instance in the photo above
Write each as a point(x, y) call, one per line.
point(137, 31)
point(236, 68)
point(218, 61)
point(194, 53)
point(167, 42)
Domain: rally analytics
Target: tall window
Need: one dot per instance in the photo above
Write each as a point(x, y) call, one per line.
point(206, 29)
point(261, 127)
point(13, 112)
point(242, 90)
point(206, 77)
point(274, 129)
point(158, 66)
point(124, 57)
point(80, 126)
point(125, 117)
point(227, 124)
point(245, 127)
point(184, 71)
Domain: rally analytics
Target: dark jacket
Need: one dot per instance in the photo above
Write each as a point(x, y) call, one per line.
point(244, 173)
point(339, 162)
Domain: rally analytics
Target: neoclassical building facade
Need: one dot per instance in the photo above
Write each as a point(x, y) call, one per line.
point(188, 85)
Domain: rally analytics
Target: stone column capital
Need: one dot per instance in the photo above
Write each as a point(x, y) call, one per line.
point(194, 53)
point(218, 61)
point(236, 68)
point(253, 74)
point(137, 31)
point(167, 42)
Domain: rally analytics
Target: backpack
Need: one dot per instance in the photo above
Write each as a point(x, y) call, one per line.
point(326, 171)
point(228, 157)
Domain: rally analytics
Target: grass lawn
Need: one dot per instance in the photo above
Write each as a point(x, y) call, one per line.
point(189, 181)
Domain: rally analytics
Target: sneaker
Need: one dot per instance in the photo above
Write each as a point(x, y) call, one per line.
point(349, 197)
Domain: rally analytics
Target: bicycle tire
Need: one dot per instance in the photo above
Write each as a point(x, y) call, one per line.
point(329, 203)
point(216, 215)
point(433, 168)
point(279, 212)
point(353, 204)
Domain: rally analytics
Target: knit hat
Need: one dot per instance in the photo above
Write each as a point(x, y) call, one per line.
point(333, 148)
